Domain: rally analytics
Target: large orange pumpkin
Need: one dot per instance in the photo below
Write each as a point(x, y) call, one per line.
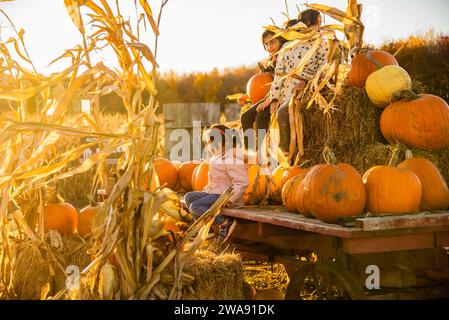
point(392, 190)
point(200, 177)
point(435, 193)
point(366, 62)
point(59, 215)
point(166, 172)
point(421, 121)
point(185, 173)
point(258, 86)
point(334, 191)
point(256, 190)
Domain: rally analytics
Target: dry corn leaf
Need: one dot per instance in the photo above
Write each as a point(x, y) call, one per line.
point(149, 14)
point(335, 13)
point(73, 9)
point(145, 50)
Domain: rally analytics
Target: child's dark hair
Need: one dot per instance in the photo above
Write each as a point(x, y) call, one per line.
point(290, 23)
point(268, 33)
point(309, 17)
point(224, 134)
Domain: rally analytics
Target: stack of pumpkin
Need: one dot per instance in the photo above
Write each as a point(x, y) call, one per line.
point(193, 176)
point(333, 191)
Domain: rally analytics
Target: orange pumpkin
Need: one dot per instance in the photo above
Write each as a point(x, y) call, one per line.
point(185, 173)
point(59, 215)
point(422, 122)
point(435, 193)
point(258, 86)
point(276, 188)
point(292, 172)
point(86, 220)
point(334, 191)
point(301, 199)
point(200, 177)
point(291, 192)
point(366, 62)
point(255, 193)
point(166, 172)
point(392, 190)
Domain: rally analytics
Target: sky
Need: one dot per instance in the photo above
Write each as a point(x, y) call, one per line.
point(199, 35)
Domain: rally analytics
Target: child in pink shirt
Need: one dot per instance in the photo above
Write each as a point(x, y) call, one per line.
point(226, 169)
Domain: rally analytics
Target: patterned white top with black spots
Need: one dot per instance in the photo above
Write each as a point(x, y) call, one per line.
point(281, 90)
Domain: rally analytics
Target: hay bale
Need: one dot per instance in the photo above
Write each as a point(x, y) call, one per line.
point(353, 133)
point(354, 125)
point(379, 154)
point(269, 295)
point(217, 276)
point(34, 269)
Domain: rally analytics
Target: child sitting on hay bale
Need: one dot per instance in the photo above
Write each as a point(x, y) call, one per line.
point(226, 169)
point(262, 118)
point(282, 90)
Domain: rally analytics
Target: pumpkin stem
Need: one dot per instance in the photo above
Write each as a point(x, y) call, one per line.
point(407, 95)
point(394, 159)
point(408, 154)
point(329, 156)
point(372, 60)
point(302, 164)
point(53, 197)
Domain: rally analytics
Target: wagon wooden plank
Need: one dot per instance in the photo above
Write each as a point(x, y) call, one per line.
point(389, 243)
point(404, 221)
point(275, 215)
point(323, 245)
point(290, 220)
point(442, 239)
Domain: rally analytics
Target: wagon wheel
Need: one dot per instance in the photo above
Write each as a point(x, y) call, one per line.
point(323, 281)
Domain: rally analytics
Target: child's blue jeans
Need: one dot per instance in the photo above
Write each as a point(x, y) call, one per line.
point(199, 202)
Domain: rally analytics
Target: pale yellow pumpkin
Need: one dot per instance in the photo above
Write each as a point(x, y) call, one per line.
point(382, 84)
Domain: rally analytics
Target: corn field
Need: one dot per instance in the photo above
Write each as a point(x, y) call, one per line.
point(41, 155)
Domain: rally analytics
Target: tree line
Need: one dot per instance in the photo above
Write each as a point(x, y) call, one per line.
point(424, 57)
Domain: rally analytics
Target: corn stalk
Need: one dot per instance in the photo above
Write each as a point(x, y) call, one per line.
point(130, 224)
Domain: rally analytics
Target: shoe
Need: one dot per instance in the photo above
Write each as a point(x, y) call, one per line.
point(183, 204)
point(226, 230)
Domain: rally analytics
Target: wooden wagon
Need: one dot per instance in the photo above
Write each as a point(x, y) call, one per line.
point(405, 255)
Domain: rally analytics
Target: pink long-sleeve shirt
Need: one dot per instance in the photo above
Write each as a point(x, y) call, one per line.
point(228, 171)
